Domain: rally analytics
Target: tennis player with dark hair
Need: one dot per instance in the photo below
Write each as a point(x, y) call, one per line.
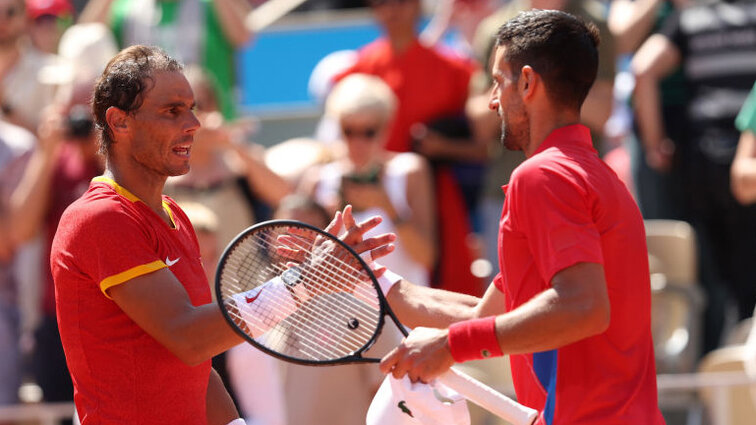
point(571, 305)
point(133, 303)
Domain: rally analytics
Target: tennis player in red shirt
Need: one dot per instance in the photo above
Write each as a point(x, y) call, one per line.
point(133, 303)
point(571, 305)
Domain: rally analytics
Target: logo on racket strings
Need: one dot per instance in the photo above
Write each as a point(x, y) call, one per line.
point(250, 300)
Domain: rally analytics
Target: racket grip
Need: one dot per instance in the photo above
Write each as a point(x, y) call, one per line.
point(488, 398)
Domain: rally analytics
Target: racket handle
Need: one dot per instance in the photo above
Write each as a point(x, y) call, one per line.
point(488, 398)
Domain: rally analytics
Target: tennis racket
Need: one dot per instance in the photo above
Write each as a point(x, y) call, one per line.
point(304, 296)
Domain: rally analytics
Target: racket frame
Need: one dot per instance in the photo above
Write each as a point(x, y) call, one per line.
point(354, 357)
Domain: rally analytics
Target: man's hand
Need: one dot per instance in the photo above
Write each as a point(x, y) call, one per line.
point(423, 356)
point(352, 234)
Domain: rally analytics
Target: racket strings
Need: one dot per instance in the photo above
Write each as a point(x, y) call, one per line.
point(316, 275)
point(361, 288)
point(280, 303)
point(252, 262)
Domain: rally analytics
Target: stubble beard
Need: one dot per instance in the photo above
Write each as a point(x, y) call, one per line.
point(511, 140)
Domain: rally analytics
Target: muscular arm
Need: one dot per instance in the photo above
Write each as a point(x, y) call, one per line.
point(416, 305)
point(574, 308)
point(220, 407)
point(159, 304)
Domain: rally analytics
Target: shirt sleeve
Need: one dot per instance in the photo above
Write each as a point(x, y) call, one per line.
point(746, 119)
point(553, 212)
point(113, 247)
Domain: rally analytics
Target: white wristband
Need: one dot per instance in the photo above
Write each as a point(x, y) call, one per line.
point(265, 306)
point(237, 421)
point(387, 280)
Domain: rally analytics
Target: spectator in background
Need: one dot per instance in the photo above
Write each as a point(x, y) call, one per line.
point(64, 162)
point(375, 181)
point(714, 44)
point(431, 90)
point(197, 32)
point(16, 145)
point(743, 170)
point(48, 19)
point(657, 181)
point(22, 95)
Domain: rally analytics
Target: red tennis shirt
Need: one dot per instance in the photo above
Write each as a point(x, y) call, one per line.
point(564, 206)
point(121, 374)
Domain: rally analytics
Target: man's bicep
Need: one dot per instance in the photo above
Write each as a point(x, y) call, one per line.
point(153, 301)
point(582, 287)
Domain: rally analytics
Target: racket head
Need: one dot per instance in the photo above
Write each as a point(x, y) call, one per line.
point(333, 327)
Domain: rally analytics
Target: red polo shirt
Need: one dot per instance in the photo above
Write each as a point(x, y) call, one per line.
point(122, 375)
point(565, 206)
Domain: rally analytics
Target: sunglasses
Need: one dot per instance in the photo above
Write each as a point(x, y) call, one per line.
point(363, 133)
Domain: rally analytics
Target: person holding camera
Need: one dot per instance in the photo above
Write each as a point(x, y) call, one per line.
point(64, 161)
point(396, 186)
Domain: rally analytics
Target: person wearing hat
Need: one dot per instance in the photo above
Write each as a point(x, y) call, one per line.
point(48, 19)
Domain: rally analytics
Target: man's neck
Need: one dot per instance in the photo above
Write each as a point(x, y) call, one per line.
point(401, 42)
point(145, 186)
point(542, 125)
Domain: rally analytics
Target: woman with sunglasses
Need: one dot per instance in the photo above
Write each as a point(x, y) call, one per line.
point(396, 186)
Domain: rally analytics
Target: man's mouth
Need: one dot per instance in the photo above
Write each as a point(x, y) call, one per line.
point(184, 149)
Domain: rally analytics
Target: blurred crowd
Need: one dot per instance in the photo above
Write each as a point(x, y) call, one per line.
point(406, 132)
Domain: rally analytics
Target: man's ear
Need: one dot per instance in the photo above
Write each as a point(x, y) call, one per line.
point(117, 120)
point(529, 82)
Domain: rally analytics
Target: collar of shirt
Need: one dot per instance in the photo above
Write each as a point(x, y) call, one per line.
point(575, 134)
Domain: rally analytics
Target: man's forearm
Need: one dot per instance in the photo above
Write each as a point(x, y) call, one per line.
point(421, 306)
point(220, 407)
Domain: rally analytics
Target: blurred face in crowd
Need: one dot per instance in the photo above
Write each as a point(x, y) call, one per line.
point(161, 131)
point(12, 22)
point(506, 101)
point(364, 134)
point(46, 30)
point(396, 16)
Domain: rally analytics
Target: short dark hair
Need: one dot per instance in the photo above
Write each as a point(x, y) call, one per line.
point(124, 82)
point(560, 47)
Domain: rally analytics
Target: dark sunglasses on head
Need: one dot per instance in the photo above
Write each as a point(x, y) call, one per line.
point(365, 133)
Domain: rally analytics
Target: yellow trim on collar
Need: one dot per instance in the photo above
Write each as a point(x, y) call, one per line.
point(131, 197)
point(118, 188)
point(129, 274)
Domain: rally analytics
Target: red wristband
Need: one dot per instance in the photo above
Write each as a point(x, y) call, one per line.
point(474, 339)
